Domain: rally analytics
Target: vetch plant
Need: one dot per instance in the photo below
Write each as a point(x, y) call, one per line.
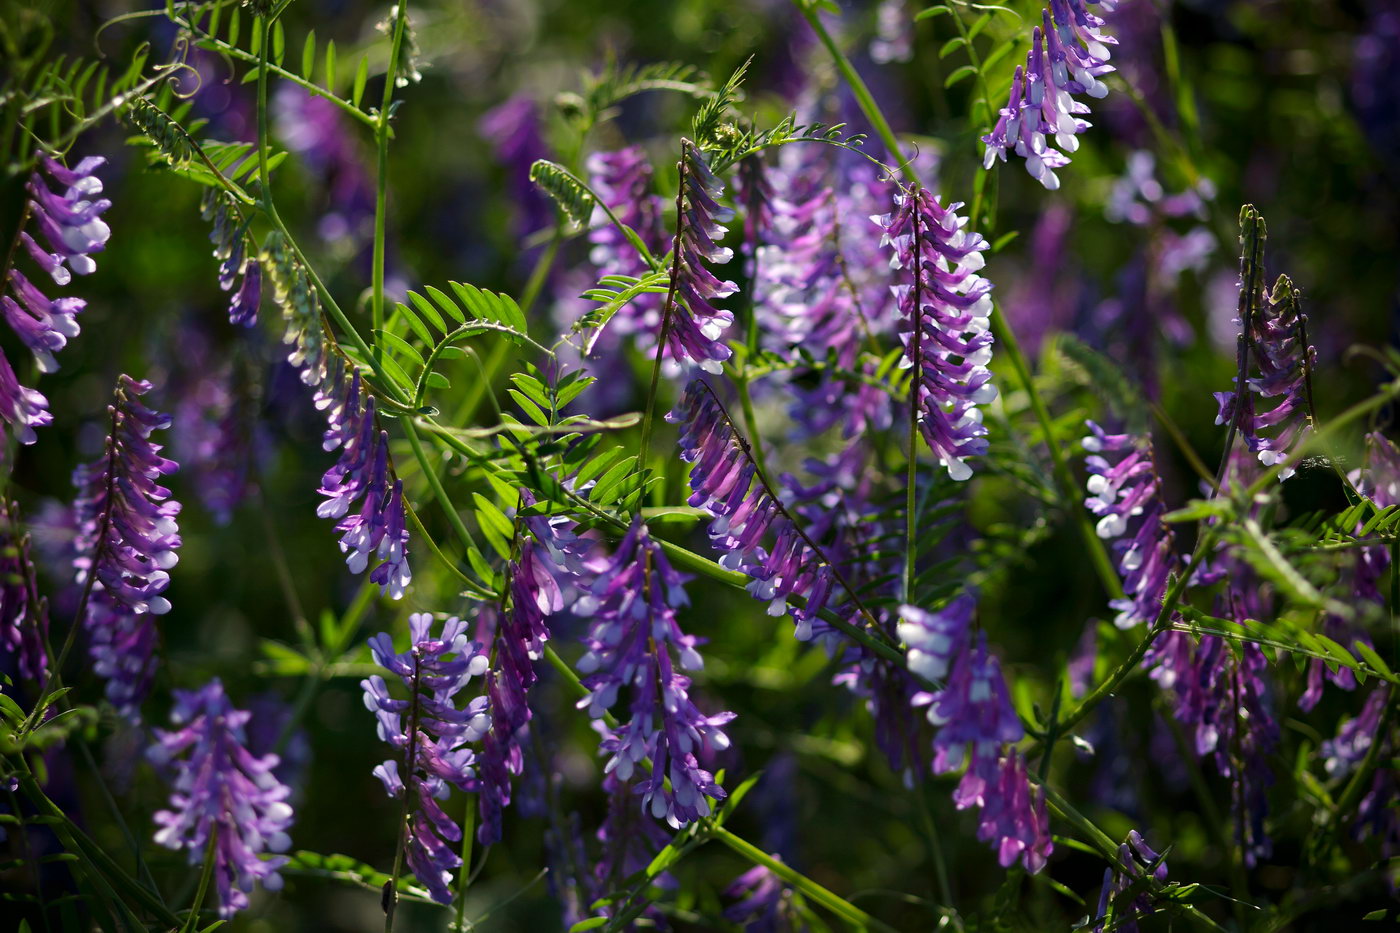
point(638, 358)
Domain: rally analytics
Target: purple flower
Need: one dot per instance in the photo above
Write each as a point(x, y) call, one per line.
point(622, 181)
point(1127, 495)
point(42, 324)
point(125, 544)
point(293, 292)
point(1135, 857)
point(933, 639)
point(972, 710)
point(25, 409)
point(696, 325)
point(513, 129)
point(1013, 815)
point(520, 634)
point(1341, 755)
point(1278, 337)
point(894, 33)
point(634, 643)
point(314, 128)
point(24, 619)
point(70, 222)
point(433, 740)
point(944, 324)
point(725, 481)
point(362, 475)
point(764, 903)
point(221, 790)
point(1068, 55)
point(237, 263)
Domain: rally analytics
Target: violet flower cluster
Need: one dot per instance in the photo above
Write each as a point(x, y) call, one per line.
point(1135, 858)
point(622, 181)
point(725, 482)
point(944, 324)
point(1069, 54)
point(71, 224)
point(696, 327)
point(221, 792)
point(1126, 492)
point(377, 528)
point(634, 643)
point(519, 634)
point(125, 545)
point(24, 618)
point(432, 734)
point(977, 727)
point(1282, 359)
point(238, 265)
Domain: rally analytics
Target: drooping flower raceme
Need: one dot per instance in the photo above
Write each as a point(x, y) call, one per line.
point(1125, 491)
point(975, 724)
point(238, 266)
point(432, 734)
point(696, 327)
point(125, 545)
point(944, 324)
point(361, 475)
point(1282, 358)
point(220, 790)
point(725, 481)
point(634, 643)
point(72, 225)
point(23, 615)
point(1069, 54)
point(520, 634)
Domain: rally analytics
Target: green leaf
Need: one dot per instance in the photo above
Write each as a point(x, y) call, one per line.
point(308, 55)
point(951, 46)
point(361, 76)
point(330, 66)
point(966, 71)
point(932, 12)
point(593, 923)
point(414, 323)
point(1372, 658)
point(568, 193)
point(425, 308)
point(399, 345)
point(446, 304)
point(436, 380)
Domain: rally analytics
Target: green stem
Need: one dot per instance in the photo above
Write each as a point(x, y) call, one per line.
point(381, 188)
point(192, 921)
point(265, 26)
point(439, 493)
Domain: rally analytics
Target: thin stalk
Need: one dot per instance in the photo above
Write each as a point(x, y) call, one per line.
point(464, 876)
point(667, 310)
point(862, 94)
point(381, 186)
point(1253, 233)
point(540, 273)
point(192, 921)
point(439, 493)
point(935, 848)
point(265, 27)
